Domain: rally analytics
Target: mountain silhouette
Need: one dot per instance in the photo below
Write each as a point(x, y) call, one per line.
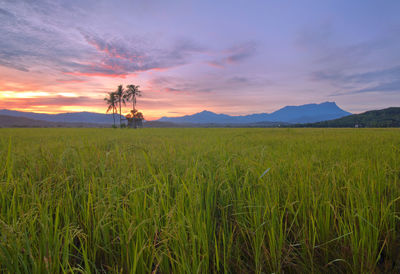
point(308, 113)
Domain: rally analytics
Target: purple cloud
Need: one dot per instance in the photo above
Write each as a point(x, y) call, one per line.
point(120, 58)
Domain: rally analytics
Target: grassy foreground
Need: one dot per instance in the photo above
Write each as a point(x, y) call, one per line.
point(192, 200)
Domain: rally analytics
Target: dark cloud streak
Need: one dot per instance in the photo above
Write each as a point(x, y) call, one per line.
point(235, 55)
point(388, 87)
point(178, 85)
point(366, 77)
point(383, 80)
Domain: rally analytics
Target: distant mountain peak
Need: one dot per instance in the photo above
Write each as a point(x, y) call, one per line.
point(327, 103)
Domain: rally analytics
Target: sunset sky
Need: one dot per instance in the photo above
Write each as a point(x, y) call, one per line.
point(233, 57)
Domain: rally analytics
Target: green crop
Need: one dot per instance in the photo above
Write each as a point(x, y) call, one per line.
point(199, 200)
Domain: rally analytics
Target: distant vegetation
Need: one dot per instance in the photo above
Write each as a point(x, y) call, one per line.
point(389, 117)
point(200, 201)
point(120, 97)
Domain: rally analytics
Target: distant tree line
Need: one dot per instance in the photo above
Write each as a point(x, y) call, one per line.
point(120, 97)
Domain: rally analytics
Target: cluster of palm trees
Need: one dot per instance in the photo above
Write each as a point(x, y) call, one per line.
point(120, 97)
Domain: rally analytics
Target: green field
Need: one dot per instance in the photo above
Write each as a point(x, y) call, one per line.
point(192, 200)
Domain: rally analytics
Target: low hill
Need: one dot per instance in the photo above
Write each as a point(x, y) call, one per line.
point(389, 117)
point(12, 121)
point(72, 117)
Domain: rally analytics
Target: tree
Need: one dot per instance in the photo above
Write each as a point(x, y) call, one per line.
point(120, 95)
point(131, 93)
point(111, 101)
point(135, 118)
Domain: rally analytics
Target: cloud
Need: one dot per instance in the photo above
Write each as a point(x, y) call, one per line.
point(178, 85)
point(360, 66)
point(383, 87)
point(364, 66)
point(235, 55)
point(120, 58)
point(60, 101)
point(70, 80)
point(33, 37)
point(215, 83)
point(5, 13)
point(240, 80)
point(383, 80)
point(44, 36)
point(388, 87)
point(325, 48)
point(215, 64)
point(14, 66)
point(241, 53)
point(365, 77)
point(315, 37)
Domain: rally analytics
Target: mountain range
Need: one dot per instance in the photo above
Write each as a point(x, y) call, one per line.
point(290, 114)
point(308, 113)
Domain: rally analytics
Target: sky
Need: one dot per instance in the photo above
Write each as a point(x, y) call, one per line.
point(228, 56)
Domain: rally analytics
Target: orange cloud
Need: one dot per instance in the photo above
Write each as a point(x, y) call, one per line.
point(98, 74)
point(71, 81)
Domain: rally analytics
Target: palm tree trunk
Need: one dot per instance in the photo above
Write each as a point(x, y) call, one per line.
point(120, 120)
point(114, 116)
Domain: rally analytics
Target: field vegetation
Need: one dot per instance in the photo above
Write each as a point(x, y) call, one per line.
point(199, 200)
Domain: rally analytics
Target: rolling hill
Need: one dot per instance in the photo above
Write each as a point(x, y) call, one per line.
point(13, 121)
point(72, 117)
point(389, 117)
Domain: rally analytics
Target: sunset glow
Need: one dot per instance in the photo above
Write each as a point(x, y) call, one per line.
point(62, 57)
point(23, 94)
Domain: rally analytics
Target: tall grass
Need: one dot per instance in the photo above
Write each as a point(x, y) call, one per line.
point(193, 201)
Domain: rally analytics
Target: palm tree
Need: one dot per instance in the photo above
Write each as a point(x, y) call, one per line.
point(111, 101)
point(131, 93)
point(120, 96)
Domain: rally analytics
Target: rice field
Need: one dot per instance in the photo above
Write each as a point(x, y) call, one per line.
point(200, 200)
